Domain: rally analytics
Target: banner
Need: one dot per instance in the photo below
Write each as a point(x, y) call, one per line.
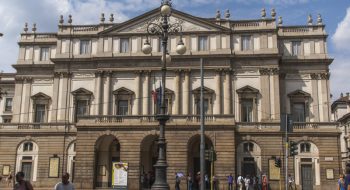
point(119, 175)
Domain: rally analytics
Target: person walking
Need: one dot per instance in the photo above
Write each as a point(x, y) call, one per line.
point(214, 181)
point(240, 182)
point(230, 182)
point(341, 183)
point(177, 182)
point(265, 184)
point(290, 182)
point(21, 183)
point(65, 184)
point(206, 179)
point(189, 181)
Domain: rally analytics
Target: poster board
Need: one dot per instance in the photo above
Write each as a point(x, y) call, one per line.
point(6, 170)
point(274, 172)
point(54, 164)
point(330, 173)
point(120, 175)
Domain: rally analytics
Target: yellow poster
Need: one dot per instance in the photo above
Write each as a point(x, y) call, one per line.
point(120, 174)
point(274, 172)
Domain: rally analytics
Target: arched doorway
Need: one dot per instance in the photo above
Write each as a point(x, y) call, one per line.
point(248, 159)
point(149, 157)
point(107, 150)
point(71, 153)
point(193, 157)
point(27, 160)
point(307, 165)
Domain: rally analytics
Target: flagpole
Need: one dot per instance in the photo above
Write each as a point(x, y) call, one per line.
point(202, 143)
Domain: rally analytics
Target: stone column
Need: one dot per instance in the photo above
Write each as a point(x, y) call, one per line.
point(136, 110)
point(227, 93)
point(186, 94)
point(107, 93)
point(98, 90)
point(275, 91)
point(17, 100)
point(146, 94)
point(325, 96)
point(177, 92)
point(315, 103)
point(26, 100)
point(217, 105)
point(62, 105)
point(265, 93)
point(56, 92)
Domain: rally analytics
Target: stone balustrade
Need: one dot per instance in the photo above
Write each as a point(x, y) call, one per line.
point(59, 127)
point(301, 30)
point(244, 25)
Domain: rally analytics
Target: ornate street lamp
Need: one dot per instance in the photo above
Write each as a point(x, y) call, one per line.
point(163, 30)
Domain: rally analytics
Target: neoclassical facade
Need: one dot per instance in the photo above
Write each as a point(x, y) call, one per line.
point(85, 95)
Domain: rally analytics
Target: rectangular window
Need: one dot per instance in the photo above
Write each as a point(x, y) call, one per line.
point(202, 43)
point(8, 104)
point(296, 48)
point(40, 110)
point(247, 110)
point(160, 45)
point(299, 112)
point(123, 107)
point(82, 107)
point(7, 120)
point(84, 47)
point(206, 106)
point(27, 170)
point(246, 43)
point(44, 53)
point(124, 45)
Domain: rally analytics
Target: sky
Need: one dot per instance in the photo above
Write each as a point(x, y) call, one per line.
point(45, 13)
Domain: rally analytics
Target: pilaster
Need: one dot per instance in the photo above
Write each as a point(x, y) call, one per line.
point(146, 93)
point(227, 93)
point(217, 105)
point(186, 93)
point(107, 93)
point(177, 92)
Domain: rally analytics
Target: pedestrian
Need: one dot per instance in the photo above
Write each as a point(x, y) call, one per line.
point(240, 182)
point(9, 179)
point(264, 182)
point(65, 184)
point(198, 179)
point(341, 182)
point(291, 182)
point(214, 181)
point(230, 182)
point(347, 177)
point(177, 182)
point(255, 182)
point(189, 181)
point(247, 182)
point(21, 183)
point(206, 179)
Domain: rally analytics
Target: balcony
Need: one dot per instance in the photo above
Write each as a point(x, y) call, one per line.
point(150, 120)
point(37, 127)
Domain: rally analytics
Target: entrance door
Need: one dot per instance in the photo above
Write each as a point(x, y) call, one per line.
point(248, 169)
point(306, 177)
point(27, 170)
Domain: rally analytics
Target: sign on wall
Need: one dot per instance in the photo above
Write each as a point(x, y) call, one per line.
point(120, 175)
point(274, 172)
point(54, 164)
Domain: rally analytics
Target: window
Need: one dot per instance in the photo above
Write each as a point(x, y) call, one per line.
point(202, 43)
point(305, 147)
point(123, 107)
point(160, 45)
point(124, 45)
point(205, 103)
point(8, 104)
point(27, 147)
point(82, 107)
point(44, 53)
point(247, 110)
point(7, 120)
point(248, 147)
point(40, 110)
point(84, 47)
point(246, 43)
point(296, 48)
point(299, 112)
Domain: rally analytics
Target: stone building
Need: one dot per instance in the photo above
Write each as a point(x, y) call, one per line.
point(341, 114)
point(83, 95)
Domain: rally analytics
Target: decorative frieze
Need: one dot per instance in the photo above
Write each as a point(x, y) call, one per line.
point(320, 76)
point(269, 71)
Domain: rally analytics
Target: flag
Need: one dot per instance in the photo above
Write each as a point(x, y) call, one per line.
point(154, 91)
point(160, 94)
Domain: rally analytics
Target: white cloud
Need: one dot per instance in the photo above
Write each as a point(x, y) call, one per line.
point(341, 37)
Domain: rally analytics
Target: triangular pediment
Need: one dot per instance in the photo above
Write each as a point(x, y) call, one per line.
point(123, 91)
point(166, 90)
point(81, 91)
point(40, 96)
point(299, 93)
point(188, 22)
point(206, 90)
point(247, 90)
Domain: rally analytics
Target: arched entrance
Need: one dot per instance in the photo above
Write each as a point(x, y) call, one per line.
point(248, 159)
point(149, 157)
point(107, 150)
point(193, 156)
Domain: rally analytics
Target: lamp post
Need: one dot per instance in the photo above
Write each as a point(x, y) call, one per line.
point(163, 30)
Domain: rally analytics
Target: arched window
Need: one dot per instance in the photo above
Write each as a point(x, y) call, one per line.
point(248, 147)
point(27, 147)
point(305, 147)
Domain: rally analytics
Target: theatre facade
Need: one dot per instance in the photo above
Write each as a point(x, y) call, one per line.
point(86, 96)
